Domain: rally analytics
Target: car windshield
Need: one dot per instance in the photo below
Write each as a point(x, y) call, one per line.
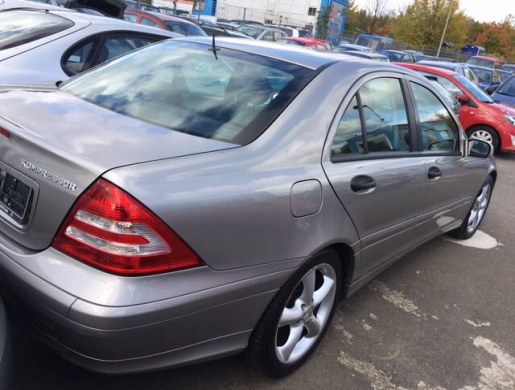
point(473, 89)
point(228, 95)
point(20, 27)
point(484, 75)
point(251, 31)
point(188, 29)
point(508, 88)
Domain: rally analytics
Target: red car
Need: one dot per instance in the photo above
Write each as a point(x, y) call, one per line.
point(164, 22)
point(480, 116)
point(310, 43)
point(486, 62)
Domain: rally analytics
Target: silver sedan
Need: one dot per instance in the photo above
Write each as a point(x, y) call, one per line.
point(200, 198)
point(40, 46)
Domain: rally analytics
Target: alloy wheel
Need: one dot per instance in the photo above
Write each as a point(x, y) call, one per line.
point(306, 313)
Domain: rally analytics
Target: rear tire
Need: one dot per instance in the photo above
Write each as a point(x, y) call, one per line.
point(297, 318)
point(476, 213)
point(485, 133)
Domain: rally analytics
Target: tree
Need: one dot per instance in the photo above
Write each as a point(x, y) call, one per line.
point(324, 17)
point(377, 9)
point(499, 38)
point(422, 23)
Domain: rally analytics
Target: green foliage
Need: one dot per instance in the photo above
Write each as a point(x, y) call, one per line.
point(421, 25)
point(324, 17)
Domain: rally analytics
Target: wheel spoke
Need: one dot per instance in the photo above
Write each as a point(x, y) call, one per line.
point(324, 290)
point(313, 327)
point(286, 350)
point(308, 282)
point(290, 316)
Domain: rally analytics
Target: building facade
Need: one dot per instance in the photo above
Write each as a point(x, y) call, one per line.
point(295, 13)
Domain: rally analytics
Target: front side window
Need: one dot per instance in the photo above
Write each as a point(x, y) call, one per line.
point(231, 96)
point(378, 105)
point(440, 133)
point(20, 27)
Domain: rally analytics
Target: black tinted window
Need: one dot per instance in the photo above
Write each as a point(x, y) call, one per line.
point(20, 27)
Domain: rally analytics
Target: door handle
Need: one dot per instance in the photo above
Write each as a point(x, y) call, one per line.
point(362, 183)
point(434, 173)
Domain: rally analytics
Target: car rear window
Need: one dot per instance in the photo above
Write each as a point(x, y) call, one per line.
point(222, 94)
point(20, 27)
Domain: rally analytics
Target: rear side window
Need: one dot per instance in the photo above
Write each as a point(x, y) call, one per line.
point(379, 105)
point(20, 27)
point(227, 95)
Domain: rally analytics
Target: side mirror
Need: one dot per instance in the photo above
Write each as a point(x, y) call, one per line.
point(463, 99)
point(479, 148)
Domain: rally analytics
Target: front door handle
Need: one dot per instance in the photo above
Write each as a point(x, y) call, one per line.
point(362, 183)
point(434, 172)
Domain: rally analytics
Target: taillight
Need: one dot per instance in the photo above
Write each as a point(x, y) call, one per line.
point(111, 230)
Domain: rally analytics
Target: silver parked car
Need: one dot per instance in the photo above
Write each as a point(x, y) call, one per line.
point(43, 47)
point(195, 199)
point(261, 33)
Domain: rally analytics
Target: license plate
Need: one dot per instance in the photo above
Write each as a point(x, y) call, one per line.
point(15, 198)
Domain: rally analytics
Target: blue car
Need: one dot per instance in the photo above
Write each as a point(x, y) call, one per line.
point(489, 78)
point(505, 94)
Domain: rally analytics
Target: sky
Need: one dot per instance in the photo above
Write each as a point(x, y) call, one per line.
point(480, 10)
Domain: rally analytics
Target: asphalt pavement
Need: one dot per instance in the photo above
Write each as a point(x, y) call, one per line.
point(442, 318)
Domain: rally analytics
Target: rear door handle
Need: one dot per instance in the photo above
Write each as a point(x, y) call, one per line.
point(362, 183)
point(434, 172)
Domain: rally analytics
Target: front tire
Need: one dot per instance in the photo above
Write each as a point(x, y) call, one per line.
point(477, 211)
point(487, 134)
point(296, 320)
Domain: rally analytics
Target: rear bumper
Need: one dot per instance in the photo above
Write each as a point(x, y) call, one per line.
point(205, 323)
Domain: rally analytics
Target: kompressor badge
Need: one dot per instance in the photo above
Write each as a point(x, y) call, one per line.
point(48, 175)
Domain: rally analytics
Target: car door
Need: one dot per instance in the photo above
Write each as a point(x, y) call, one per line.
point(441, 144)
point(374, 170)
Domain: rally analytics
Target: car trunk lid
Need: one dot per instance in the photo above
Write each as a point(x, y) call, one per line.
point(55, 145)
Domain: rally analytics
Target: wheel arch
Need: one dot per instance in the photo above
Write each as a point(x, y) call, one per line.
point(479, 125)
point(347, 259)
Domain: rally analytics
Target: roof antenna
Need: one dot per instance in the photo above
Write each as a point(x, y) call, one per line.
point(214, 49)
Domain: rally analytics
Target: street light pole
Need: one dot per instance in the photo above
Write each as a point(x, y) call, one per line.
point(445, 28)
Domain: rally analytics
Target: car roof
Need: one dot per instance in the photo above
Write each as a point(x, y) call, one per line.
point(162, 16)
point(428, 69)
point(355, 46)
point(304, 39)
point(441, 64)
point(493, 59)
point(311, 59)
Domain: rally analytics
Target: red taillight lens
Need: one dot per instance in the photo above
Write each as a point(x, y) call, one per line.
point(111, 230)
